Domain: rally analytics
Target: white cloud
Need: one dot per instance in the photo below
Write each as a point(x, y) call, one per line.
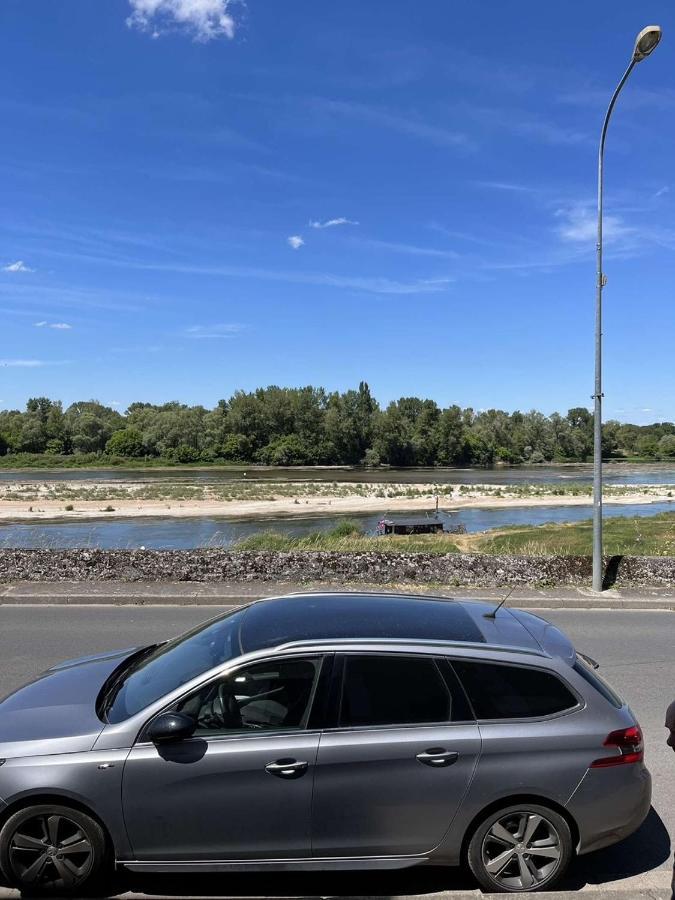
point(295, 241)
point(59, 326)
point(18, 266)
point(581, 224)
point(212, 331)
point(331, 223)
point(664, 190)
point(22, 363)
point(205, 20)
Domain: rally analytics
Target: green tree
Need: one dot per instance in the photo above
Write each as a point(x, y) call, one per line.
point(666, 446)
point(285, 451)
point(126, 442)
point(237, 448)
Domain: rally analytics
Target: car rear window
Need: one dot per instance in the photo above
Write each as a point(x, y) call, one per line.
point(597, 682)
point(397, 690)
point(513, 692)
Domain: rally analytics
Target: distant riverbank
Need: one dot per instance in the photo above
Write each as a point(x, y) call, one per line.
point(68, 500)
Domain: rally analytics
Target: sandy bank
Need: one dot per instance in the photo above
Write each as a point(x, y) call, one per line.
point(300, 506)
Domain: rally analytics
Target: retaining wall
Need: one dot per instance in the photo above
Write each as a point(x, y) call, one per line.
point(372, 568)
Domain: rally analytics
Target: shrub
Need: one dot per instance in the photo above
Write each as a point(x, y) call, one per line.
point(348, 528)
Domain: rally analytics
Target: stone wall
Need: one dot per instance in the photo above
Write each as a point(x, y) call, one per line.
point(372, 568)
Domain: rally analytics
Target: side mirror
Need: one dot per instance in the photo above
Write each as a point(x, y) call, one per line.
point(171, 727)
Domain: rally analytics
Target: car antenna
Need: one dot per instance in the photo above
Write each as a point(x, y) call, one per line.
point(493, 614)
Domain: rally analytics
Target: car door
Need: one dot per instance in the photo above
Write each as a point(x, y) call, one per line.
point(241, 787)
point(392, 772)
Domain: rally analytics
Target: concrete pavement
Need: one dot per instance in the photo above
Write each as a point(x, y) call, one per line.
point(227, 593)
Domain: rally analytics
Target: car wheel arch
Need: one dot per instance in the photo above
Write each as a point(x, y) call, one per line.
point(514, 800)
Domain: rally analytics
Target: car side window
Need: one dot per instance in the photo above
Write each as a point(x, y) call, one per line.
point(268, 696)
point(512, 692)
point(395, 690)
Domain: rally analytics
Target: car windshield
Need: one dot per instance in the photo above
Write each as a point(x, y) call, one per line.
point(156, 673)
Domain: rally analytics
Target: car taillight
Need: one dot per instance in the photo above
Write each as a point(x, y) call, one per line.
point(629, 742)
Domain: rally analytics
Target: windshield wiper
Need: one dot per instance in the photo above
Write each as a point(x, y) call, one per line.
point(116, 679)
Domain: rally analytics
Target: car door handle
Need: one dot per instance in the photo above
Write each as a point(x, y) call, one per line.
point(287, 768)
point(437, 757)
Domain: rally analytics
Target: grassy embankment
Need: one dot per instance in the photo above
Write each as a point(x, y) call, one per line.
point(640, 536)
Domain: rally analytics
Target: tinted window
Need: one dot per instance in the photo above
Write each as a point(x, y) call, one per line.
point(597, 682)
point(381, 690)
point(327, 616)
point(512, 692)
point(272, 695)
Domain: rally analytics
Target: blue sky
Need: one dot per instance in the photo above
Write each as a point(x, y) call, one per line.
point(202, 195)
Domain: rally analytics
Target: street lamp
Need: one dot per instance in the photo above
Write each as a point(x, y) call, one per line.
point(645, 43)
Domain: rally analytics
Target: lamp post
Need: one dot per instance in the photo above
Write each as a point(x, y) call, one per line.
point(645, 43)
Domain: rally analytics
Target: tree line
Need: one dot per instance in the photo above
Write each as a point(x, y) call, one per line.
point(310, 426)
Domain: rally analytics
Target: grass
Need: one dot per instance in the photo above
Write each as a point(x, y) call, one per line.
point(639, 536)
point(347, 538)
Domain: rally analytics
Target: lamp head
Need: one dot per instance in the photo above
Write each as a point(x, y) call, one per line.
point(646, 42)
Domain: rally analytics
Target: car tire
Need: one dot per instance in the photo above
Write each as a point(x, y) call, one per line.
point(53, 850)
point(522, 848)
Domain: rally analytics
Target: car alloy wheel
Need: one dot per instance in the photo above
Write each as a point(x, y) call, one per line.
point(520, 849)
point(51, 849)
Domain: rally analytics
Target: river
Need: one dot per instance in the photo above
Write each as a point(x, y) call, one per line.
point(214, 531)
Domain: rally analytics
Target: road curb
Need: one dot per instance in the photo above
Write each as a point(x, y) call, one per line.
point(235, 593)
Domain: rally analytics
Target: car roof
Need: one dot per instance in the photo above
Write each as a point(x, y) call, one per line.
point(335, 618)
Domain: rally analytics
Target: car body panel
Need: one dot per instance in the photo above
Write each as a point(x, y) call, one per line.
point(372, 797)
point(212, 799)
point(91, 779)
point(548, 636)
point(601, 824)
point(57, 711)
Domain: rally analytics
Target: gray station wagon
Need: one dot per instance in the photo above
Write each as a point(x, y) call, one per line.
point(321, 731)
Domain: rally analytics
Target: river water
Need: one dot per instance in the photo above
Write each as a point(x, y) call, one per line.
point(213, 531)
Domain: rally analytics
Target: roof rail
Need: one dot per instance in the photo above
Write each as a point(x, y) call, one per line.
point(395, 642)
point(338, 593)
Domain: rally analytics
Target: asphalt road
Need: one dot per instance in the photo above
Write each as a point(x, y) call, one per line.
point(636, 652)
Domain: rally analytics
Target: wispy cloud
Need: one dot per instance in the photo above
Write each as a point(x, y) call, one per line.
point(507, 186)
point(295, 241)
point(410, 125)
point(18, 266)
point(331, 223)
point(212, 331)
point(521, 123)
point(59, 326)
point(410, 249)
point(204, 20)
point(366, 283)
point(24, 363)
point(661, 191)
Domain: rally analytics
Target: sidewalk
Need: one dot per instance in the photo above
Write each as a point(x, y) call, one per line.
point(234, 593)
